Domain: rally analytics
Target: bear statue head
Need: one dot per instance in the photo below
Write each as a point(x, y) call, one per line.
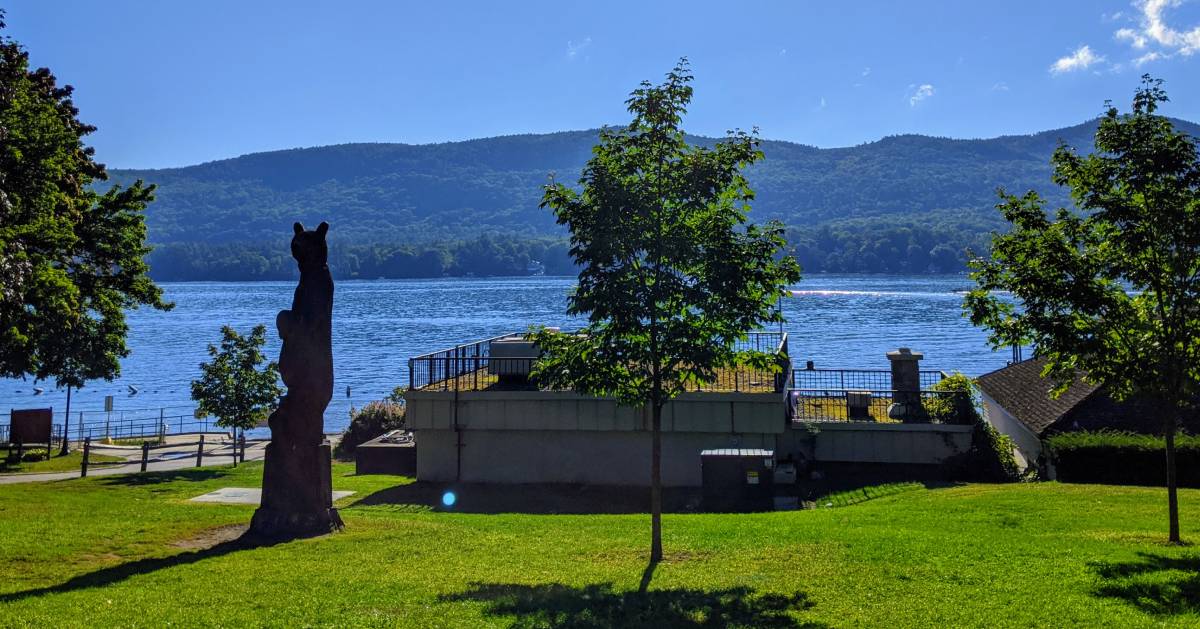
point(308, 247)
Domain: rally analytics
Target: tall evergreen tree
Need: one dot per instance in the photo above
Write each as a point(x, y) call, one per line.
point(672, 275)
point(71, 257)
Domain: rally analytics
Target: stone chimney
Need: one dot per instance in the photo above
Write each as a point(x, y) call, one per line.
point(906, 384)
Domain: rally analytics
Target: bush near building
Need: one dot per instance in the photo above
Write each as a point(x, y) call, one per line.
point(990, 458)
point(1122, 458)
point(372, 420)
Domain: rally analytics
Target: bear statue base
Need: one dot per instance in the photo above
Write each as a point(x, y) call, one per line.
point(272, 525)
point(297, 494)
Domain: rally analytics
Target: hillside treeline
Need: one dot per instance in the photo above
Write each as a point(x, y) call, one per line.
point(488, 255)
point(856, 246)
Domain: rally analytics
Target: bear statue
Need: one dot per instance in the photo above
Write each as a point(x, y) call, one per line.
point(296, 491)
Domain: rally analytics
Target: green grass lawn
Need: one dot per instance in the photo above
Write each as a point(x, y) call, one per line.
point(69, 463)
point(130, 551)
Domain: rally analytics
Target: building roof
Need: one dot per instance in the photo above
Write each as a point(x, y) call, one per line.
point(1022, 391)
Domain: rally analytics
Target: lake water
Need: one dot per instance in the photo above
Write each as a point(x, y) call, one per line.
point(846, 321)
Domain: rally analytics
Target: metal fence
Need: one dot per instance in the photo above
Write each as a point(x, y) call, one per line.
point(140, 427)
point(55, 434)
point(855, 379)
point(153, 423)
point(823, 405)
point(471, 367)
point(446, 365)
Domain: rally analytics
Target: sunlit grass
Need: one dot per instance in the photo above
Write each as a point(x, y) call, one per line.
point(130, 551)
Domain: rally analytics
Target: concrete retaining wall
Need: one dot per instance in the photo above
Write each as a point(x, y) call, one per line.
point(562, 437)
point(869, 442)
point(570, 456)
point(553, 410)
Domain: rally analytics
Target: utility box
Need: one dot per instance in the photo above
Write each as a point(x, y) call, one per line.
point(392, 453)
point(511, 358)
point(737, 480)
point(858, 405)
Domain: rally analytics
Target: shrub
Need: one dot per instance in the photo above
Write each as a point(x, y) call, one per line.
point(372, 420)
point(35, 456)
point(990, 457)
point(1122, 458)
point(954, 402)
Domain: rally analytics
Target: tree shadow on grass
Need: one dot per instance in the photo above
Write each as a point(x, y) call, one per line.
point(1155, 584)
point(556, 606)
point(168, 476)
point(115, 574)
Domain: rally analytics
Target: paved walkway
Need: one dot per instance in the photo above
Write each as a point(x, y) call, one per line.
point(216, 452)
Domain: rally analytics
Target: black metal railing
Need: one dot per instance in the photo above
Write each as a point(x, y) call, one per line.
point(446, 365)
point(129, 424)
point(769, 342)
point(855, 379)
point(825, 405)
point(471, 367)
point(137, 427)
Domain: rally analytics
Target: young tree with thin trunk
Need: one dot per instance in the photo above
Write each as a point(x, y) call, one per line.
point(1110, 292)
point(232, 387)
point(672, 275)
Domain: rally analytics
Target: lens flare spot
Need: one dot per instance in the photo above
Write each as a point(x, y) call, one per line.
point(448, 499)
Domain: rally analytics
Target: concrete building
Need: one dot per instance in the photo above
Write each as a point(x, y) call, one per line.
point(478, 418)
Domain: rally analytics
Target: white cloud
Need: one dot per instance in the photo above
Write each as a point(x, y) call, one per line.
point(782, 52)
point(1153, 29)
point(1000, 87)
point(1081, 59)
point(866, 71)
point(1147, 58)
point(1135, 39)
point(573, 48)
point(822, 105)
point(922, 92)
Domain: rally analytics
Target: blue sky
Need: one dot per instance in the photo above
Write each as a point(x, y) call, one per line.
point(173, 83)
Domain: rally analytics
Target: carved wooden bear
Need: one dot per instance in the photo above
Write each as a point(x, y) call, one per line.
point(296, 474)
point(306, 360)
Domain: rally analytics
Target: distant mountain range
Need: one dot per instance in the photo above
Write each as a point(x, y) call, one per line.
point(412, 194)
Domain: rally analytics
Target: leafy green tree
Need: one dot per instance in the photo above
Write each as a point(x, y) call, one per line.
point(71, 257)
point(232, 387)
point(1111, 291)
point(672, 275)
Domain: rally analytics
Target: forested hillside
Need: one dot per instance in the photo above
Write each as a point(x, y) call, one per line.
point(901, 204)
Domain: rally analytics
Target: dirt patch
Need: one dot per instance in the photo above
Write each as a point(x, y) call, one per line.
point(211, 537)
point(101, 557)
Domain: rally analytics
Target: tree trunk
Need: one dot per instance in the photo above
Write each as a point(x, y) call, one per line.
point(656, 551)
point(1172, 492)
point(67, 424)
